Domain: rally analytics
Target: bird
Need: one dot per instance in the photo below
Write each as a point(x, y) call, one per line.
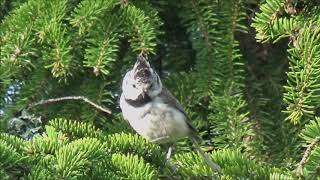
point(153, 112)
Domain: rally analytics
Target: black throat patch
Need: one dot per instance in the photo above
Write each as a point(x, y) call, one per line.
point(140, 101)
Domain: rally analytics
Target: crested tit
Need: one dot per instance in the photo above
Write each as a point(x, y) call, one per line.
point(152, 110)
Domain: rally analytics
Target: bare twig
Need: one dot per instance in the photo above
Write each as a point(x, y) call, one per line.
point(306, 156)
point(50, 101)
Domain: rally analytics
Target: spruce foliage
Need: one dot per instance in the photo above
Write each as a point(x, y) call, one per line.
point(246, 72)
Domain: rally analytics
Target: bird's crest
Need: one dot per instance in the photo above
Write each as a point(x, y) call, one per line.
point(142, 69)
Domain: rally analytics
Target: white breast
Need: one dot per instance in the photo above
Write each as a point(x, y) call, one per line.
point(156, 121)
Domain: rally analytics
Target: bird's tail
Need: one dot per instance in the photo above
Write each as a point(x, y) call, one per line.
point(214, 167)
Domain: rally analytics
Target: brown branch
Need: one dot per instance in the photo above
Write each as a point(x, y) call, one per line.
point(306, 156)
point(50, 101)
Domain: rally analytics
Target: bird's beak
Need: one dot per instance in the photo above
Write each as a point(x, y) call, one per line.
point(146, 87)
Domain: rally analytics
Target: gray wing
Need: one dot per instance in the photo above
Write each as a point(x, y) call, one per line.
point(168, 98)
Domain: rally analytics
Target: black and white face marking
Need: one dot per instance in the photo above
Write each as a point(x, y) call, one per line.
point(142, 82)
point(144, 74)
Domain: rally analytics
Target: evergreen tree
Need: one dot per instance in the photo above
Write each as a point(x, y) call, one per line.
point(247, 73)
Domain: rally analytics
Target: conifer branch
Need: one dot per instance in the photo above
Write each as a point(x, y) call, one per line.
point(306, 156)
point(54, 100)
point(203, 28)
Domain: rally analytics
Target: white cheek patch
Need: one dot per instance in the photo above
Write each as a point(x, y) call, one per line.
point(127, 87)
point(132, 93)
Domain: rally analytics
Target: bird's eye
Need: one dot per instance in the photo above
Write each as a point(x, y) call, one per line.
point(134, 86)
point(151, 86)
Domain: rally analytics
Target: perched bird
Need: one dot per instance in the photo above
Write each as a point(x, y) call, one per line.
point(153, 112)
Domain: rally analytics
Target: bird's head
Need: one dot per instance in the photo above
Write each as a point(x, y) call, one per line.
point(142, 80)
